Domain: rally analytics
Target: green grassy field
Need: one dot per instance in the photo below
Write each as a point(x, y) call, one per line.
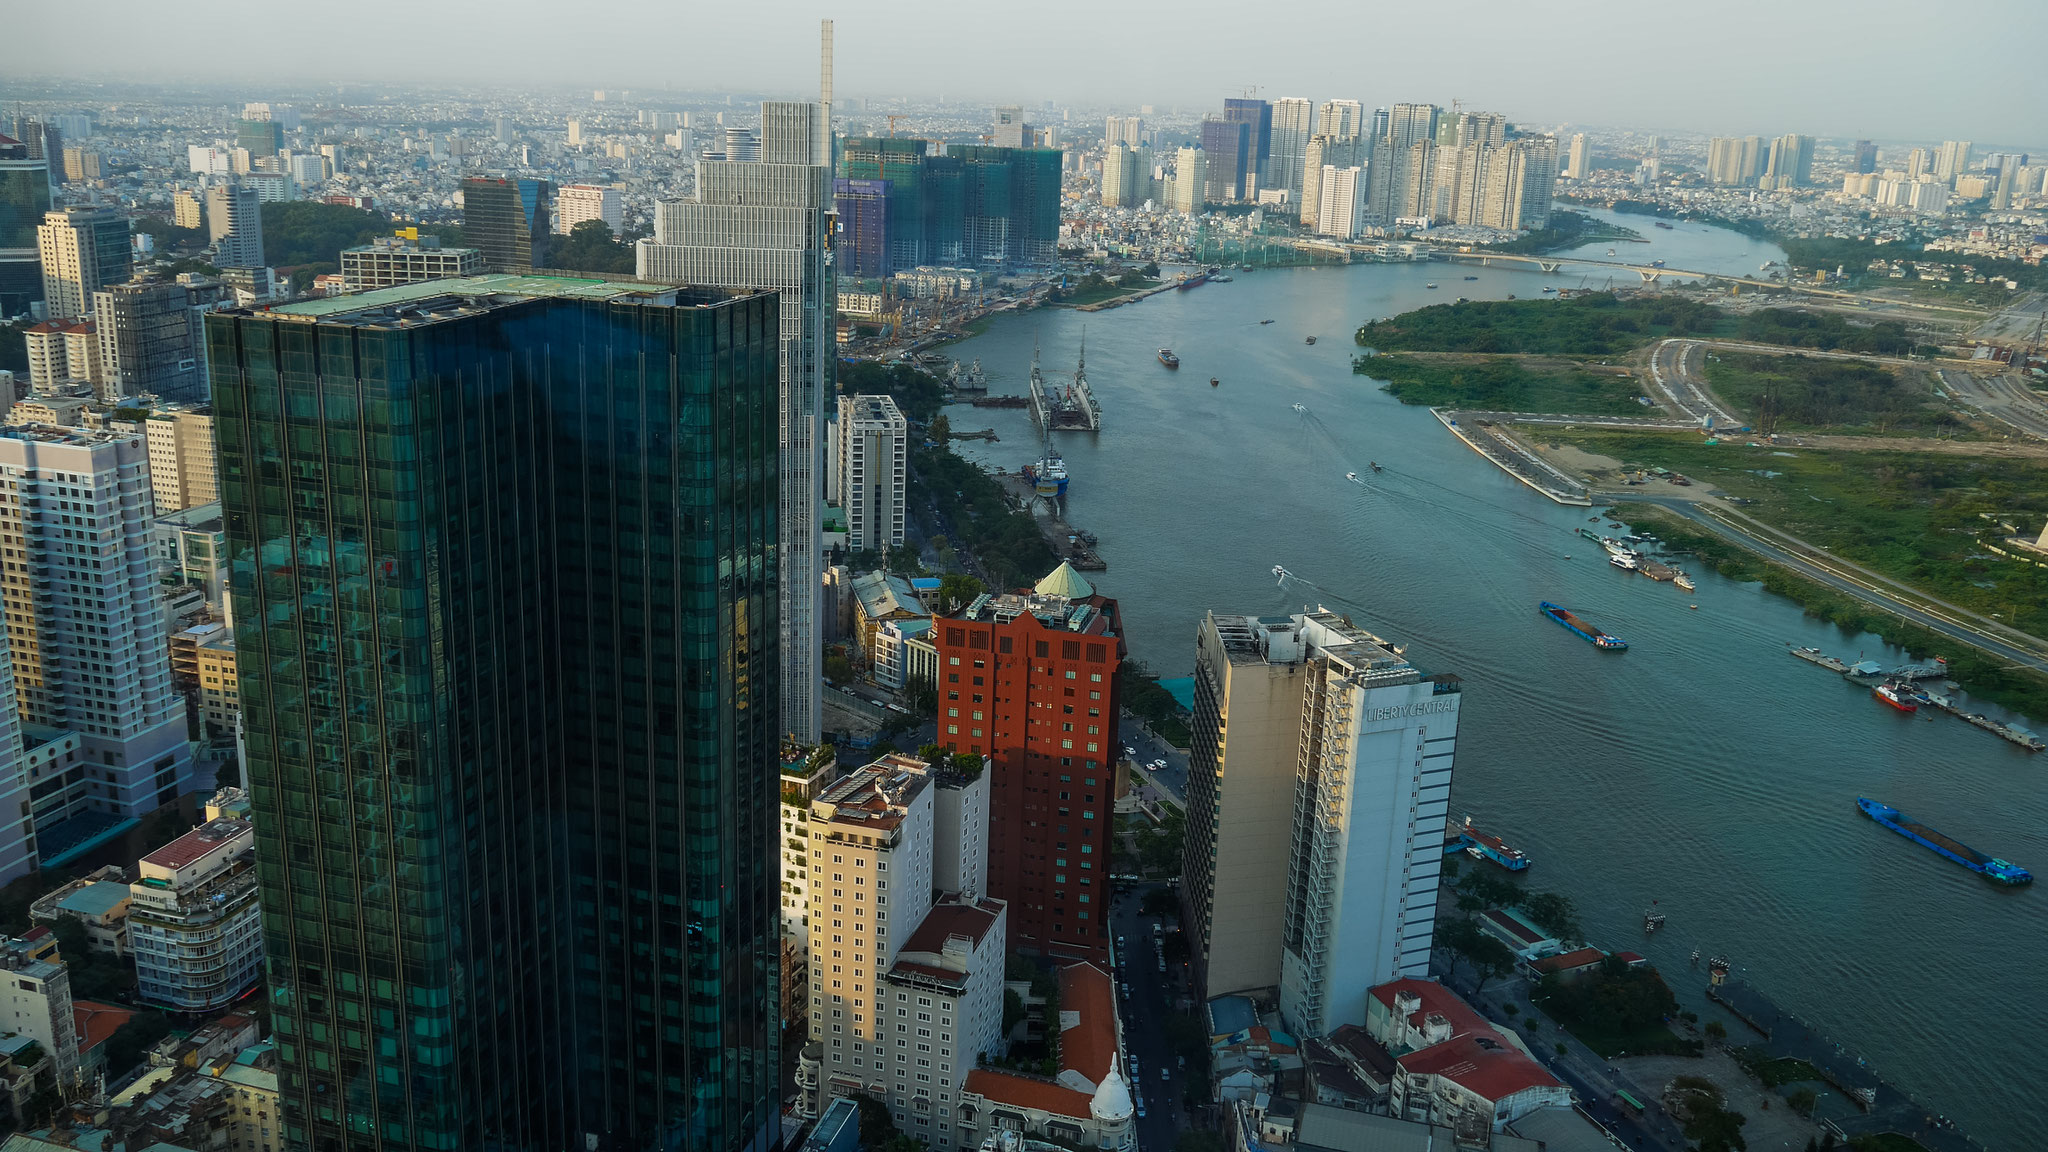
point(1600, 324)
point(1804, 393)
point(1503, 384)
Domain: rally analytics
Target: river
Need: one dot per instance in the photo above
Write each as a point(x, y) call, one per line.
point(1704, 769)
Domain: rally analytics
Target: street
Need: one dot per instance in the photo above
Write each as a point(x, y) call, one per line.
point(1144, 1011)
point(1173, 779)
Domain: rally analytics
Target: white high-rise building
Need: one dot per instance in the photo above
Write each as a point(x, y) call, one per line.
point(182, 469)
point(1581, 158)
point(873, 448)
point(575, 203)
point(83, 250)
point(83, 606)
point(1190, 175)
point(234, 224)
point(1315, 835)
point(1325, 152)
point(766, 224)
point(1951, 160)
point(906, 991)
point(1342, 210)
point(1293, 123)
point(1340, 119)
point(1010, 129)
point(1123, 175)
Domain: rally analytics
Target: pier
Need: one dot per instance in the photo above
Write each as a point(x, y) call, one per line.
point(1071, 544)
point(1884, 1108)
point(1513, 458)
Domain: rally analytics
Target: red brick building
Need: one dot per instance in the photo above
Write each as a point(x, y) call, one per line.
point(1028, 679)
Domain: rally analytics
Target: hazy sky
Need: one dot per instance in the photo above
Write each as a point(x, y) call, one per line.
point(1880, 68)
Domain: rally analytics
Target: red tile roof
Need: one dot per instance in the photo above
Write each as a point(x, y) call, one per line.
point(1090, 1045)
point(947, 920)
point(1566, 961)
point(1028, 1092)
point(1489, 1069)
point(1513, 927)
point(1437, 1000)
point(1631, 958)
point(194, 844)
point(95, 1022)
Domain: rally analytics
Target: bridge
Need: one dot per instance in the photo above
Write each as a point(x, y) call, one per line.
point(1650, 273)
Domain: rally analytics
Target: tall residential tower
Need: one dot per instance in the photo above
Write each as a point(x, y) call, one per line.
point(1315, 832)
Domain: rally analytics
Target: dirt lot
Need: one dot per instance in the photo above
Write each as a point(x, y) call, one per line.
point(1769, 1129)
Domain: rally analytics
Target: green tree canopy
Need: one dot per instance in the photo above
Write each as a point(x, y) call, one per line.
point(308, 232)
point(590, 247)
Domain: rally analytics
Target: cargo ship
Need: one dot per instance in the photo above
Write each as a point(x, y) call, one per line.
point(1187, 282)
point(1167, 358)
point(1816, 656)
point(1482, 846)
point(1897, 695)
point(1990, 867)
point(1568, 619)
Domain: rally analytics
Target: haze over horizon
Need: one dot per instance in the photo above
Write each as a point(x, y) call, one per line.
point(1823, 67)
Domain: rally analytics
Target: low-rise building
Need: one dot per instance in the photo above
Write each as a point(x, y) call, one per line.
point(879, 598)
point(100, 902)
point(389, 261)
point(194, 927)
point(1452, 1066)
point(1088, 1104)
point(1526, 940)
point(219, 687)
point(191, 548)
point(35, 1001)
point(892, 657)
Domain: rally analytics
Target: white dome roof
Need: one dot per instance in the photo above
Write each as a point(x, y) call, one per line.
point(1112, 1102)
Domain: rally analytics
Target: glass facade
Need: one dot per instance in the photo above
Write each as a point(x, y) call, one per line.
point(509, 221)
point(505, 592)
point(978, 204)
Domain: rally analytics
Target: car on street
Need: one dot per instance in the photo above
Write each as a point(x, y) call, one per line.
point(1166, 1075)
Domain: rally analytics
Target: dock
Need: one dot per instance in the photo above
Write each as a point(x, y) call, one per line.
point(2003, 731)
point(1071, 544)
point(1653, 569)
point(1884, 1108)
point(1511, 457)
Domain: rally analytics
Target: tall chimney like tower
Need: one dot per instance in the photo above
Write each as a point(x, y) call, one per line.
point(825, 63)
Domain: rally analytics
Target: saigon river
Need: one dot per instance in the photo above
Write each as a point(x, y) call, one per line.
point(1704, 769)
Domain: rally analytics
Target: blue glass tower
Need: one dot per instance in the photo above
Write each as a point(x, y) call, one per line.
point(504, 573)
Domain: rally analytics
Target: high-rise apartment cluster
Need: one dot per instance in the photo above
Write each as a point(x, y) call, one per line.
point(1751, 161)
point(1317, 797)
point(1343, 173)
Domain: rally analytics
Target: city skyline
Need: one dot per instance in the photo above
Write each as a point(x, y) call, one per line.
point(1728, 86)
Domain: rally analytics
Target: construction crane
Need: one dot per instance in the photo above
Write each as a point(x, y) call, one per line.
point(893, 118)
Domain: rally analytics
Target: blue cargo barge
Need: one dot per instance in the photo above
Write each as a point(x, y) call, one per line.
point(1585, 630)
point(1990, 867)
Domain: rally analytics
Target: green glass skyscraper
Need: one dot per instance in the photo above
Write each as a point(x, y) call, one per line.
point(504, 568)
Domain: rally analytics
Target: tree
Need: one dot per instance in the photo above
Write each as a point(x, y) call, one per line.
point(1555, 914)
point(133, 1040)
point(838, 668)
point(931, 754)
point(590, 247)
point(957, 590)
point(1491, 886)
point(940, 429)
point(1197, 1141)
point(967, 764)
point(309, 232)
point(922, 696)
point(94, 975)
point(1466, 940)
point(1716, 1031)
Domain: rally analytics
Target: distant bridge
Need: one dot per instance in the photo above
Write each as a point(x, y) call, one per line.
point(1650, 273)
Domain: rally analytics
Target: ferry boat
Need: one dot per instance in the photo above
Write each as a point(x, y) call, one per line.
point(1897, 695)
point(1571, 621)
point(1431, 284)
point(1990, 867)
point(1482, 846)
point(1682, 580)
point(1624, 560)
point(1167, 358)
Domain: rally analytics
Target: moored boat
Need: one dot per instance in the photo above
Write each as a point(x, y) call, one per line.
point(1167, 358)
point(1897, 695)
point(1482, 846)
